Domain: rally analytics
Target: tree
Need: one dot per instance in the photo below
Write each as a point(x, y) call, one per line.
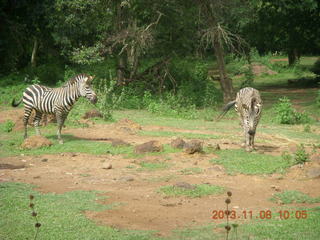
point(215, 34)
point(289, 25)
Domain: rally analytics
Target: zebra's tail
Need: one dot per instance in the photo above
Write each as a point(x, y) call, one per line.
point(14, 104)
point(226, 109)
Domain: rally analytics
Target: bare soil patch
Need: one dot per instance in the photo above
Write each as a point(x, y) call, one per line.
point(134, 192)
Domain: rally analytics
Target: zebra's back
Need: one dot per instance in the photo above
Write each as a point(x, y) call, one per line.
point(40, 98)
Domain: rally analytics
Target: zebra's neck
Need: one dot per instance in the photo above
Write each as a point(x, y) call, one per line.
point(71, 95)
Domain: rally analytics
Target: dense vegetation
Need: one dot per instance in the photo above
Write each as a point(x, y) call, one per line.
point(166, 49)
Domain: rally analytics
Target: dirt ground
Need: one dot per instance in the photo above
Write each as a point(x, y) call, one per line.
point(137, 205)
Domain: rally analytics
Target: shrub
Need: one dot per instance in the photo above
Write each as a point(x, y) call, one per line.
point(301, 156)
point(318, 99)
point(316, 67)
point(286, 114)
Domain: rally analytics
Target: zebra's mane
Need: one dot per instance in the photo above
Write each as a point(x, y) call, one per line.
point(75, 79)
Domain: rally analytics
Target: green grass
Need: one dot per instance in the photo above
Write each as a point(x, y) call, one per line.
point(287, 229)
point(190, 171)
point(293, 196)
point(61, 215)
point(153, 166)
point(178, 134)
point(240, 161)
point(11, 146)
point(200, 191)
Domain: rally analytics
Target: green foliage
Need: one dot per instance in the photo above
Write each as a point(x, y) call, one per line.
point(153, 166)
point(239, 161)
point(200, 190)
point(316, 67)
point(7, 126)
point(286, 114)
point(318, 99)
point(191, 171)
point(301, 156)
point(62, 216)
point(108, 99)
point(11, 145)
point(307, 128)
point(293, 196)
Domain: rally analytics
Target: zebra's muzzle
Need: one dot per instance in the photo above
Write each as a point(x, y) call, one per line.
point(251, 132)
point(94, 100)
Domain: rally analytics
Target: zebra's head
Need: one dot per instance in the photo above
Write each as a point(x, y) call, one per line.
point(86, 90)
point(253, 115)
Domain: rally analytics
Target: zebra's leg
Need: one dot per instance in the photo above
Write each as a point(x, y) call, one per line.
point(36, 122)
point(61, 117)
point(243, 144)
point(27, 113)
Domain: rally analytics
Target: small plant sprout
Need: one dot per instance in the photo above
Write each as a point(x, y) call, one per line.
point(34, 214)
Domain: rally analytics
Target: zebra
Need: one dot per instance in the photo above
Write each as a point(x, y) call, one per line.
point(248, 105)
point(57, 101)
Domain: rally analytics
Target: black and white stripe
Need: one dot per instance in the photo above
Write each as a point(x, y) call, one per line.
point(248, 105)
point(58, 101)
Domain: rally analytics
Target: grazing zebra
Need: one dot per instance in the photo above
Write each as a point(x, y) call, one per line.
point(57, 101)
point(248, 105)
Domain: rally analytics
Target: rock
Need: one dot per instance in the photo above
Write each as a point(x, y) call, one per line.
point(214, 147)
point(119, 142)
point(152, 146)
point(36, 142)
point(313, 173)
point(106, 165)
point(178, 143)
point(44, 160)
point(184, 185)
point(126, 179)
point(276, 188)
point(93, 113)
point(193, 146)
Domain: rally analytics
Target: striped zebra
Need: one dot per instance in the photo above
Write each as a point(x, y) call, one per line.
point(248, 105)
point(57, 101)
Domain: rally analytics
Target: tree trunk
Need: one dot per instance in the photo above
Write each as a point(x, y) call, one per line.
point(120, 70)
point(34, 52)
point(225, 81)
point(293, 56)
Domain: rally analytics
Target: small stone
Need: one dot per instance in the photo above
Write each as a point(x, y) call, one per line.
point(152, 146)
point(276, 188)
point(193, 146)
point(126, 179)
point(44, 160)
point(178, 143)
point(184, 185)
point(106, 165)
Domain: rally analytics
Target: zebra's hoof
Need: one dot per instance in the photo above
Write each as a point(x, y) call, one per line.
point(249, 149)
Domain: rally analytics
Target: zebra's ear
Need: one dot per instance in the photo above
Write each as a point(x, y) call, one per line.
point(89, 79)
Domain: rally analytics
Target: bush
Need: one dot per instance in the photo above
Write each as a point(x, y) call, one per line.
point(318, 99)
point(286, 114)
point(316, 67)
point(301, 156)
